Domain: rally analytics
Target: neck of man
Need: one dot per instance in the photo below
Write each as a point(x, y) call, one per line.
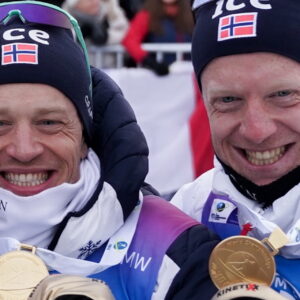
point(264, 194)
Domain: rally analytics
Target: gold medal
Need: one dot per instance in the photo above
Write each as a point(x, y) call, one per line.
point(245, 259)
point(20, 272)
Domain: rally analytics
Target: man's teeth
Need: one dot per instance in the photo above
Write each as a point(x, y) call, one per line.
point(260, 158)
point(30, 179)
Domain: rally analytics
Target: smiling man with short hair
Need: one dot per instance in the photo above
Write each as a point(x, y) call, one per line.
point(41, 142)
point(246, 58)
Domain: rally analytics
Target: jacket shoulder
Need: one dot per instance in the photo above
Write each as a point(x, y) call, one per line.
point(119, 142)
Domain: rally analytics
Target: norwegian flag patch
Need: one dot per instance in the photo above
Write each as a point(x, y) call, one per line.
point(237, 26)
point(19, 53)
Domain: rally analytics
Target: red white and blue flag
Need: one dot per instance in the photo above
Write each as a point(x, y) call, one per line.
point(237, 26)
point(19, 53)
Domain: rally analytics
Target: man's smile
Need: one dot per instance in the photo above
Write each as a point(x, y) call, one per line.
point(28, 179)
point(267, 157)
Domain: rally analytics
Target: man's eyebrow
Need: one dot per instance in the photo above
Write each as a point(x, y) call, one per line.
point(38, 111)
point(44, 110)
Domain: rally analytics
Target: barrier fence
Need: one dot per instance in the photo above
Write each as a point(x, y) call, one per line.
point(98, 54)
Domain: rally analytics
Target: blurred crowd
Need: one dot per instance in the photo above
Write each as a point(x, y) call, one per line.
point(131, 23)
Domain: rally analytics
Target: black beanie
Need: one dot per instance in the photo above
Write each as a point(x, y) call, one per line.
point(245, 26)
point(35, 53)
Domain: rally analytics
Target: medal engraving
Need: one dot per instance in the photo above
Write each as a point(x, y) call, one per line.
point(20, 272)
point(241, 259)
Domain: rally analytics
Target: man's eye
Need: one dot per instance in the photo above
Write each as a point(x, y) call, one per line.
point(50, 126)
point(49, 122)
point(4, 123)
point(226, 103)
point(283, 93)
point(228, 99)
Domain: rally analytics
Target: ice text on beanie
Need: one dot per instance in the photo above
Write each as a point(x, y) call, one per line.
point(15, 34)
point(231, 5)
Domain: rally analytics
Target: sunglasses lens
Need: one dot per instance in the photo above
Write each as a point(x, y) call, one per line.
point(38, 14)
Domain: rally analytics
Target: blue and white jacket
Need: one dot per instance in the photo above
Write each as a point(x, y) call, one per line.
point(157, 251)
point(213, 200)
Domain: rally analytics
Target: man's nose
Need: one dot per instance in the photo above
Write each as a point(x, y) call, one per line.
point(257, 123)
point(24, 144)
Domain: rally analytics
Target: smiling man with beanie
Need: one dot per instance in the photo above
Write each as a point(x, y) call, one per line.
point(72, 167)
point(247, 62)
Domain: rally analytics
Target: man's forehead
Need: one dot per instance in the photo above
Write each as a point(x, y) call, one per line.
point(224, 74)
point(41, 95)
point(228, 62)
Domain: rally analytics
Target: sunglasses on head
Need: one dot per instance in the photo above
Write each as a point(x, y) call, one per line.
point(46, 14)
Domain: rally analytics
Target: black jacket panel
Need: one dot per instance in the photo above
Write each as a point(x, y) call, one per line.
point(191, 251)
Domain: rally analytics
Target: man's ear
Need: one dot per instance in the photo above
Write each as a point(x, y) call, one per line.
point(84, 149)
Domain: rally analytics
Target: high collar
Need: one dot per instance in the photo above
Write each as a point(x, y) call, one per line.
point(265, 194)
